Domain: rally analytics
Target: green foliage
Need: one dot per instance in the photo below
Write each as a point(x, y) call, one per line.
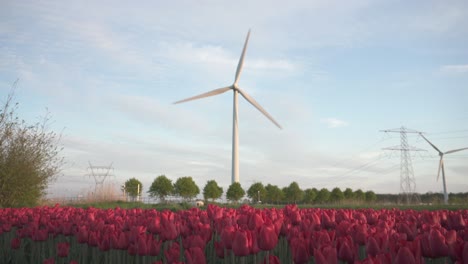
point(293, 193)
point(309, 195)
point(29, 157)
point(161, 187)
point(133, 187)
point(212, 190)
point(336, 195)
point(359, 195)
point(348, 194)
point(370, 197)
point(323, 196)
point(235, 192)
point(273, 194)
point(186, 188)
point(256, 192)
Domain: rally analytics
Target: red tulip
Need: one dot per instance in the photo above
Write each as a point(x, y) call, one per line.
point(455, 221)
point(267, 238)
point(82, 236)
point(40, 235)
point(271, 259)
point(172, 254)
point(384, 258)
point(227, 236)
point(345, 252)
point(299, 250)
point(15, 243)
point(104, 242)
point(437, 243)
point(326, 255)
point(123, 242)
point(404, 256)
point(456, 251)
point(255, 221)
point(168, 230)
point(49, 261)
point(142, 246)
point(63, 249)
point(195, 255)
point(93, 238)
point(214, 212)
point(154, 225)
point(360, 234)
point(135, 233)
point(242, 243)
point(132, 249)
point(220, 249)
point(465, 252)
point(193, 241)
point(372, 247)
point(154, 246)
point(450, 237)
point(295, 217)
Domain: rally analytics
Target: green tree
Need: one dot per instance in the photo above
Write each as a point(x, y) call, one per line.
point(212, 190)
point(323, 195)
point(29, 157)
point(161, 188)
point(256, 192)
point(348, 194)
point(186, 188)
point(336, 195)
point(370, 197)
point(133, 188)
point(359, 195)
point(235, 192)
point(310, 195)
point(273, 194)
point(293, 193)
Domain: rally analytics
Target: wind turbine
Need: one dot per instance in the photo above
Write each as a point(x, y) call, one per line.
point(441, 165)
point(236, 90)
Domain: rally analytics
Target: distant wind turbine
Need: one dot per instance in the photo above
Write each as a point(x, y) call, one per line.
point(441, 165)
point(235, 88)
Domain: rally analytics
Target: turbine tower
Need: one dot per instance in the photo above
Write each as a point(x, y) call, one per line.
point(235, 120)
point(441, 165)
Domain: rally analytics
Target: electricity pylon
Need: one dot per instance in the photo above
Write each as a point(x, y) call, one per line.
point(99, 173)
point(407, 181)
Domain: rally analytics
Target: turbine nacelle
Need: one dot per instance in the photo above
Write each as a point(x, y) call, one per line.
point(441, 164)
point(236, 89)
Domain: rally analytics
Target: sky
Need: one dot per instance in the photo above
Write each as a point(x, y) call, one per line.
point(333, 74)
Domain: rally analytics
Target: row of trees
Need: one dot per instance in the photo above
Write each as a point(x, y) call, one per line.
point(186, 188)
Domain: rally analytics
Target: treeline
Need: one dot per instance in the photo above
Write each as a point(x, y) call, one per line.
point(185, 188)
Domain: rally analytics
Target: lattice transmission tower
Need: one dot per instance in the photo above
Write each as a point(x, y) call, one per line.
point(100, 173)
point(407, 181)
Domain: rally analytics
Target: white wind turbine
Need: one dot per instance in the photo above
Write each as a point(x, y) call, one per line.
point(235, 88)
point(441, 165)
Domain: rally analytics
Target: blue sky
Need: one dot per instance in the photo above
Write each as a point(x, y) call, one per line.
point(332, 73)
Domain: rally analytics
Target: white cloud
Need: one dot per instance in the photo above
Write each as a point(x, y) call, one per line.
point(333, 122)
point(454, 69)
point(217, 56)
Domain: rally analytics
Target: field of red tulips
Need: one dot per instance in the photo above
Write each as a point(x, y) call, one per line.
point(225, 235)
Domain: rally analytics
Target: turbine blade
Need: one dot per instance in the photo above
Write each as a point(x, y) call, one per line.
point(257, 105)
point(455, 150)
point(440, 152)
point(241, 60)
point(441, 164)
point(208, 94)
